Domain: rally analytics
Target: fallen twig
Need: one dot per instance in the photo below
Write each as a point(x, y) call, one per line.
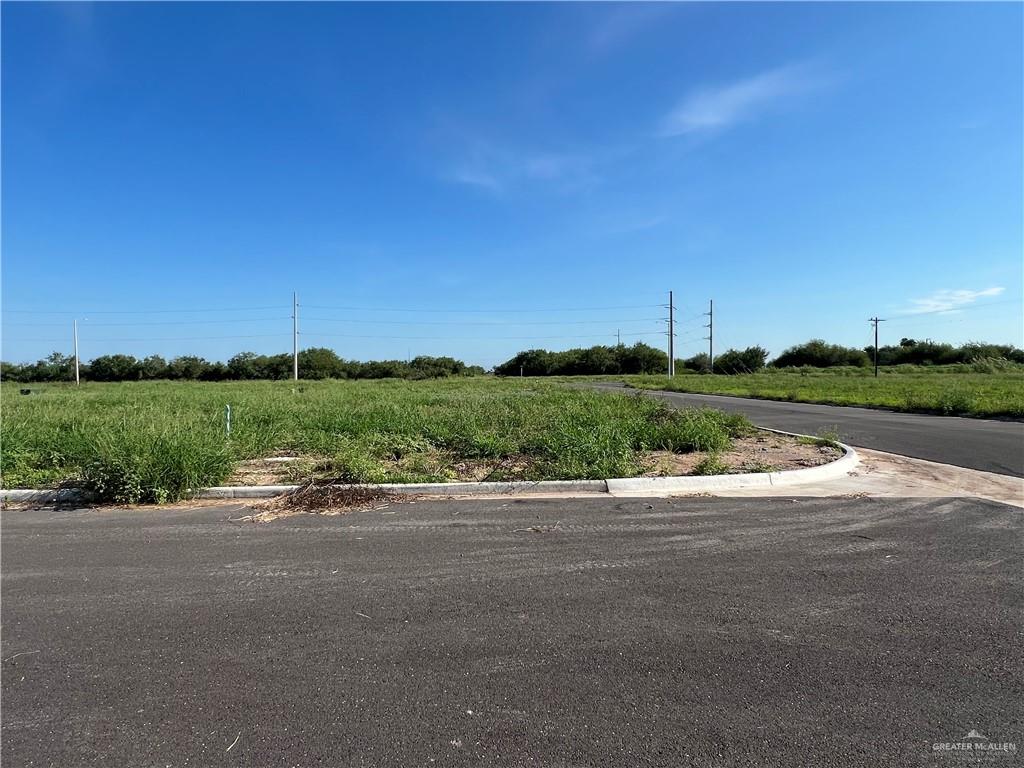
point(538, 528)
point(23, 653)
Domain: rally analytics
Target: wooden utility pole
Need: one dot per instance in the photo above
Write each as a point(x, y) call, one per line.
point(875, 321)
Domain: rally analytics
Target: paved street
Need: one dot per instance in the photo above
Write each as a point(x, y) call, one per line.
point(700, 631)
point(985, 444)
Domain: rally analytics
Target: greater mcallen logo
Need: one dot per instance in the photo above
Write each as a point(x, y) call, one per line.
point(977, 745)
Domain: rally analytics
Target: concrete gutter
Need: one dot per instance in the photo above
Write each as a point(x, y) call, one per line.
point(422, 489)
point(625, 486)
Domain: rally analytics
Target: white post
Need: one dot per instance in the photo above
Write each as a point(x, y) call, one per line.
point(77, 379)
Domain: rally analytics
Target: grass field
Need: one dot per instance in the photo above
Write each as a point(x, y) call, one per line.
point(157, 441)
point(951, 392)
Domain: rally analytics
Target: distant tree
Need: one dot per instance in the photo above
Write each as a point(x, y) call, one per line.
point(114, 368)
point(817, 353)
point(384, 369)
point(243, 366)
point(424, 367)
point(698, 362)
point(594, 361)
point(641, 358)
point(320, 363)
point(599, 361)
point(216, 371)
point(274, 366)
point(532, 362)
point(749, 360)
point(153, 367)
point(54, 367)
point(186, 367)
point(12, 372)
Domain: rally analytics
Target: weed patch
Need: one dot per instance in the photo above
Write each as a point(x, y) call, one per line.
point(138, 442)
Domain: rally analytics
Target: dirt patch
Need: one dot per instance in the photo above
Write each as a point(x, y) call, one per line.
point(761, 452)
point(496, 470)
point(273, 470)
point(436, 466)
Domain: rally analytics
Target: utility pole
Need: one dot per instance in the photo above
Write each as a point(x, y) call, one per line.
point(77, 379)
point(875, 321)
point(711, 335)
point(618, 338)
point(295, 336)
point(671, 337)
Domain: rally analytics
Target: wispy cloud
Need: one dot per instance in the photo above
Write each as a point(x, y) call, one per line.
point(622, 23)
point(716, 108)
point(631, 225)
point(947, 301)
point(498, 169)
point(474, 177)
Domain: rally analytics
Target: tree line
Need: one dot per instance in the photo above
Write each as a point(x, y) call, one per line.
point(314, 363)
point(816, 353)
point(640, 358)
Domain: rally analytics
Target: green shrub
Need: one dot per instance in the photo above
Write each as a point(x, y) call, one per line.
point(131, 467)
point(711, 464)
point(827, 437)
point(954, 401)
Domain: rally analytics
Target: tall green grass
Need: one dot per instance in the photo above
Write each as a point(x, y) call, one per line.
point(159, 441)
point(956, 390)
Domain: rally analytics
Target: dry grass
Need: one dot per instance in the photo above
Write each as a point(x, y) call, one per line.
point(322, 497)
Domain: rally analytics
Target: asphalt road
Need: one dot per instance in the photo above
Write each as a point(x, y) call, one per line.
point(701, 631)
point(985, 444)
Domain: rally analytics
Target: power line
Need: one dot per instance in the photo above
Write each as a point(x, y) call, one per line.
point(161, 338)
point(478, 322)
point(472, 338)
point(151, 322)
point(136, 311)
point(489, 310)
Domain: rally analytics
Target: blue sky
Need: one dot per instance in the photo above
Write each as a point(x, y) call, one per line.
point(522, 175)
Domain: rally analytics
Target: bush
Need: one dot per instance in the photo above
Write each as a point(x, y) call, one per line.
point(818, 354)
point(749, 360)
point(132, 465)
point(593, 361)
point(711, 464)
point(697, 363)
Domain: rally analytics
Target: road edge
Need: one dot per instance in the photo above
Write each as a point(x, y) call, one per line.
point(832, 470)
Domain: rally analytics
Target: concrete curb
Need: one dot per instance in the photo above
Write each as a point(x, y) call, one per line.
point(659, 485)
point(616, 486)
point(422, 489)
